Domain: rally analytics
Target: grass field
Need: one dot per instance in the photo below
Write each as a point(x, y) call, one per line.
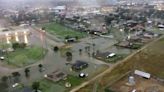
point(62, 31)
point(48, 86)
point(74, 80)
point(149, 60)
point(23, 57)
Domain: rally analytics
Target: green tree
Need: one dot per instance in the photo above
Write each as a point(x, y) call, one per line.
point(40, 67)
point(16, 76)
point(27, 72)
point(56, 48)
point(36, 86)
point(68, 54)
point(4, 80)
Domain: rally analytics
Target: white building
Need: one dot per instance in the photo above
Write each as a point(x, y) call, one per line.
point(59, 9)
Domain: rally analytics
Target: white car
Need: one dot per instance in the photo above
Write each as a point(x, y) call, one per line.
point(2, 58)
point(111, 55)
point(83, 75)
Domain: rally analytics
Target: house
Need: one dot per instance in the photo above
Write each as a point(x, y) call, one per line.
point(79, 65)
point(161, 27)
point(59, 9)
point(150, 35)
point(56, 76)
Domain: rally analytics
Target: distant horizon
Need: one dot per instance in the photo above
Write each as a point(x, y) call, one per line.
point(22, 3)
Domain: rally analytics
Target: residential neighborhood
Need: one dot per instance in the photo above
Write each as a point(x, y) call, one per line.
point(81, 46)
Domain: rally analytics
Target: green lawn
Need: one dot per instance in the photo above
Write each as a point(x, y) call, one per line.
point(4, 46)
point(23, 57)
point(74, 80)
point(61, 31)
point(115, 59)
point(48, 86)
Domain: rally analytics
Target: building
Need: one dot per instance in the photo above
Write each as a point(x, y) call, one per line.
point(11, 35)
point(59, 9)
point(79, 65)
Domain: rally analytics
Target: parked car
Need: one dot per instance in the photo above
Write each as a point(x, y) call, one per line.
point(70, 40)
point(83, 75)
point(2, 58)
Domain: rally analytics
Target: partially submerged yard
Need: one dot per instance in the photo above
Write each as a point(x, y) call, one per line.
point(73, 79)
point(22, 57)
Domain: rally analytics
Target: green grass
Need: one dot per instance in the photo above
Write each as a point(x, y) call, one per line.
point(73, 80)
point(48, 86)
point(62, 31)
point(115, 59)
point(4, 46)
point(23, 57)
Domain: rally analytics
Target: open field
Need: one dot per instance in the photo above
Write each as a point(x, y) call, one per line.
point(48, 86)
point(23, 57)
point(145, 60)
point(62, 31)
point(141, 84)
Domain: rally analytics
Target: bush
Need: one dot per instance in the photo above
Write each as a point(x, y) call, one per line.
point(36, 86)
point(108, 90)
point(56, 48)
point(15, 45)
point(4, 79)
point(68, 54)
point(18, 45)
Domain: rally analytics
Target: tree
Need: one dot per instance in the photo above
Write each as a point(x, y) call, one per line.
point(67, 37)
point(80, 51)
point(18, 45)
point(94, 45)
point(40, 67)
point(4, 80)
point(36, 86)
point(76, 37)
point(16, 76)
point(43, 28)
point(108, 90)
point(15, 45)
point(68, 54)
point(27, 71)
point(56, 48)
point(109, 19)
